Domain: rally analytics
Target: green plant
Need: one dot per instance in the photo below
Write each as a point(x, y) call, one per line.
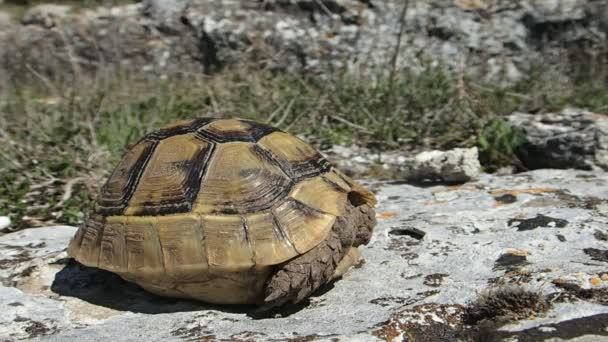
point(498, 143)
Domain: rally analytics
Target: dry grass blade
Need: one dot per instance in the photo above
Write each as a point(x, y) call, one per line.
point(286, 112)
point(353, 125)
point(68, 188)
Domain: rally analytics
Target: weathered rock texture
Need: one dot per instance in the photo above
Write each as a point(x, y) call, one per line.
point(458, 165)
point(487, 39)
point(568, 139)
point(434, 250)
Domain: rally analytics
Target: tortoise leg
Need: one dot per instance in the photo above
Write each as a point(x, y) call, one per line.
point(301, 276)
point(365, 222)
point(352, 257)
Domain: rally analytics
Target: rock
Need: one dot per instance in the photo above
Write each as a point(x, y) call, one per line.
point(492, 41)
point(568, 139)
point(354, 160)
point(5, 222)
point(5, 20)
point(46, 15)
point(409, 284)
point(165, 8)
point(459, 165)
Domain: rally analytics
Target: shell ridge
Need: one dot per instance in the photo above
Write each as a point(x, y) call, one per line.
point(247, 231)
point(280, 231)
point(159, 245)
point(132, 185)
point(196, 124)
point(333, 184)
point(320, 164)
point(199, 175)
point(98, 242)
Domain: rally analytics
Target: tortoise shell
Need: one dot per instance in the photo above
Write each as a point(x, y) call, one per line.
point(212, 196)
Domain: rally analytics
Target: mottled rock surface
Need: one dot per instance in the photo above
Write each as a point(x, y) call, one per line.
point(45, 15)
point(435, 249)
point(458, 165)
point(5, 20)
point(571, 138)
point(488, 40)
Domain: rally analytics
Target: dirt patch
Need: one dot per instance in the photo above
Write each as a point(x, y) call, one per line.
point(539, 221)
point(597, 254)
point(505, 199)
point(427, 322)
point(435, 279)
point(198, 332)
point(35, 329)
point(512, 276)
point(247, 336)
point(408, 231)
point(565, 330)
point(388, 301)
point(600, 235)
point(583, 202)
point(515, 192)
point(509, 260)
point(573, 292)
point(17, 259)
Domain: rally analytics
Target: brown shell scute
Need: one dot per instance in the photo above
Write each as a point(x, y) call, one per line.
point(297, 158)
point(305, 227)
point(120, 186)
point(170, 182)
point(239, 181)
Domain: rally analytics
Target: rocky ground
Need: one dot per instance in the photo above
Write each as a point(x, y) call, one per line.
point(499, 41)
point(521, 257)
point(571, 138)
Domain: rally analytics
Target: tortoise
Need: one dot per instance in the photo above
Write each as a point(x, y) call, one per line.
point(226, 211)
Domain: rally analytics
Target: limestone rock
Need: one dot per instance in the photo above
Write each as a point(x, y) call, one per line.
point(5, 222)
point(45, 15)
point(467, 239)
point(568, 139)
point(459, 165)
point(5, 20)
point(494, 41)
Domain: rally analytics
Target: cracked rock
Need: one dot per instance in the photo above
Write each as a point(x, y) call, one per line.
point(493, 41)
point(568, 139)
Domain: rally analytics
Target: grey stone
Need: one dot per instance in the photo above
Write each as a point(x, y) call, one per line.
point(408, 286)
point(5, 20)
point(494, 41)
point(5, 222)
point(459, 165)
point(45, 15)
point(571, 138)
point(165, 7)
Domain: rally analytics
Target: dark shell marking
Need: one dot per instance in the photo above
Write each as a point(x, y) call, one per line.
point(119, 188)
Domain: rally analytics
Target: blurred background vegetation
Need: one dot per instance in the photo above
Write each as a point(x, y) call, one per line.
point(60, 139)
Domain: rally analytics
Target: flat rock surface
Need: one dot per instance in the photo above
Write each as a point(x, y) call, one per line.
point(436, 248)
